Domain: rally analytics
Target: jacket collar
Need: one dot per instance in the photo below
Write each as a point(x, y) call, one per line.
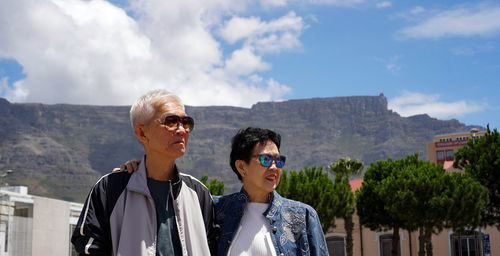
point(138, 180)
point(243, 197)
point(274, 205)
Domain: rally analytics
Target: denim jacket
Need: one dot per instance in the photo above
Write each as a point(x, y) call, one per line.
point(295, 226)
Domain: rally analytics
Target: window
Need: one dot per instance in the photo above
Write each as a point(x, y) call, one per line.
point(466, 244)
point(440, 155)
point(449, 155)
point(22, 212)
point(336, 246)
point(386, 245)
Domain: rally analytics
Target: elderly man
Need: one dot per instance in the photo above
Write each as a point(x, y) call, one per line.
point(156, 210)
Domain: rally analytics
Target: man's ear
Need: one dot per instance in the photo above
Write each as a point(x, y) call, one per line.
point(140, 134)
point(241, 167)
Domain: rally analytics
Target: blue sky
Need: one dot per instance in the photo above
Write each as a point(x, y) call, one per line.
point(441, 58)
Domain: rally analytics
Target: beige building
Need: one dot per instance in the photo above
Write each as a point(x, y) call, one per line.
point(475, 242)
point(34, 225)
point(443, 148)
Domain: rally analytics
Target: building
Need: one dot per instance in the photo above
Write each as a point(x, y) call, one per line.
point(34, 225)
point(443, 148)
point(475, 242)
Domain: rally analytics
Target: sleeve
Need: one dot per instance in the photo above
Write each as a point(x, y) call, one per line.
point(316, 238)
point(91, 235)
point(211, 228)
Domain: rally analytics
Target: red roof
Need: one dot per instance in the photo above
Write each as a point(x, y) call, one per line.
point(355, 184)
point(447, 164)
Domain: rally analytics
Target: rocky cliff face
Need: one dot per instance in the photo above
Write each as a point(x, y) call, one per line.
point(61, 150)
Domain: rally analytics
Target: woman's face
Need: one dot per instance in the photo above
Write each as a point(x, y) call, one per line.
point(257, 178)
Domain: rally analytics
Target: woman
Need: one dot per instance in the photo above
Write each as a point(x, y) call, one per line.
point(257, 220)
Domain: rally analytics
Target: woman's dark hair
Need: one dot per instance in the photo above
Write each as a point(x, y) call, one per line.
point(245, 140)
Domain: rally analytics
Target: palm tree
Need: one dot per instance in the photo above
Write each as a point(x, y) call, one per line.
point(346, 168)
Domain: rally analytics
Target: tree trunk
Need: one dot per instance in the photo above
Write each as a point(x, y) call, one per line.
point(361, 238)
point(349, 226)
point(395, 241)
point(409, 240)
point(421, 242)
point(428, 242)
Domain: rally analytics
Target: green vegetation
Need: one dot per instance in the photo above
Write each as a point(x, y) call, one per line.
point(313, 187)
point(413, 194)
point(481, 159)
point(344, 168)
point(216, 187)
point(373, 204)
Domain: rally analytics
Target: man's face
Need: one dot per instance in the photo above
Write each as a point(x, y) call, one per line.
point(159, 140)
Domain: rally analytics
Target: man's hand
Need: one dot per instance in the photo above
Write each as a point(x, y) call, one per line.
point(130, 166)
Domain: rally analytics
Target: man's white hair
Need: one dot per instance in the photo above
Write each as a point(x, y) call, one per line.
point(142, 110)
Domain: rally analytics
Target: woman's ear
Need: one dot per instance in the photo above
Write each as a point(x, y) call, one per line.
point(241, 167)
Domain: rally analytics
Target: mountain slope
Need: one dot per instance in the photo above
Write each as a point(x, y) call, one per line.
point(61, 150)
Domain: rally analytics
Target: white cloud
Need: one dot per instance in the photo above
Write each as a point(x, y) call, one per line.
point(384, 4)
point(255, 78)
point(417, 10)
point(239, 28)
point(16, 92)
point(336, 2)
point(472, 50)
point(273, 3)
point(273, 36)
point(392, 65)
point(245, 62)
point(463, 21)
point(281, 3)
point(92, 52)
point(312, 18)
point(276, 89)
point(413, 103)
point(4, 85)
point(464, 51)
point(413, 15)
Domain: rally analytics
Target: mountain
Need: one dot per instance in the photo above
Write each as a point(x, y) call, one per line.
point(61, 150)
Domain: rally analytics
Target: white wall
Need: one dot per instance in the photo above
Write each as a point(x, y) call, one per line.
point(50, 227)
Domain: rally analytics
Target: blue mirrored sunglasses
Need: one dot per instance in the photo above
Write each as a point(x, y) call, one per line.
point(266, 160)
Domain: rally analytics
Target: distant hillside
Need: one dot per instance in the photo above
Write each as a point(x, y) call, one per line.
point(61, 150)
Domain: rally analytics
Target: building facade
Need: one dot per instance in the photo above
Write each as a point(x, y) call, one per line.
point(443, 148)
point(34, 225)
point(474, 242)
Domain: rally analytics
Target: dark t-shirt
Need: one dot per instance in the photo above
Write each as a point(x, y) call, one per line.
point(167, 242)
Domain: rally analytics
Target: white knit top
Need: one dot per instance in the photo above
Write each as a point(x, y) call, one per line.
point(254, 234)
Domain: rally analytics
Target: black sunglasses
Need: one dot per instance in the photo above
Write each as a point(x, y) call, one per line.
point(172, 122)
point(266, 160)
